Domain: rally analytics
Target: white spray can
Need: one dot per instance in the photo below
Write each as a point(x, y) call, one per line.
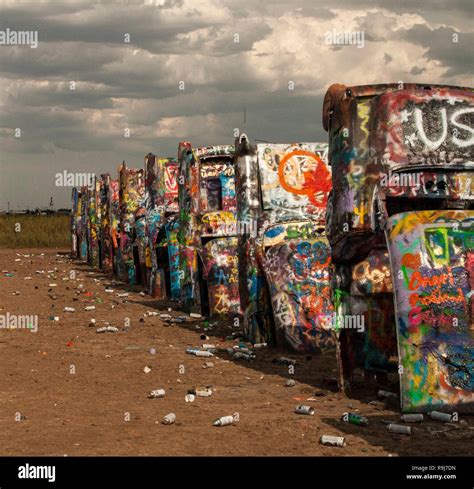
point(334, 441)
point(169, 418)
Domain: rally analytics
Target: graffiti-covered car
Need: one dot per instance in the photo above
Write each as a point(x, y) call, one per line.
point(132, 225)
point(207, 229)
point(105, 237)
point(284, 256)
point(161, 203)
point(82, 224)
point(93, 223)
point(114, 223)
point(75, 221)
point(401, 226)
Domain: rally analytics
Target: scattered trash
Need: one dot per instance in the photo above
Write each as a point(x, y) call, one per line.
point(69, 309)
point(156, 394)
point(152, 351)
point(400, 429)
point(209, 346)
point(334, 441)
point(385, 394)
point(16, 292)
point(195, 315)
point(356, 419)
point(258, 346)
point(201, 391)
point(54, 318)
point(198, 353)
point(107, 329)
point(290, 383)
point(89, 308)
point(438, 416)
point(412, 418)
point(225, 420)
point(177, 319)
point(109, 291)
point(189, 397)
point(207, 365)
point(92, 322)
point(284, 361)
point(165, 316)
point(204, 337)
point(123, 294)
point(147, 369)
point(169, 418)
point(142, 294)
point(304, 410)
point(150, 313)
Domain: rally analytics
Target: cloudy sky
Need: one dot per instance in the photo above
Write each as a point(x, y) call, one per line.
point(189, 70)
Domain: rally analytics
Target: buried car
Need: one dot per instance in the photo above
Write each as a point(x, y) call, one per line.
point(284, 256)
point(207, 229)
point(401, 226)
point(161, 203)
point(132, 225)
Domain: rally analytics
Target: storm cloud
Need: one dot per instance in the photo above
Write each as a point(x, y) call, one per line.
point(165, 71)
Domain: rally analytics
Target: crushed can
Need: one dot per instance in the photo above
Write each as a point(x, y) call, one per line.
point(333, 441)
point(304, 410)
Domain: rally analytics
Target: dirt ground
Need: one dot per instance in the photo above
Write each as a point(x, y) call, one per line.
point(68, 390)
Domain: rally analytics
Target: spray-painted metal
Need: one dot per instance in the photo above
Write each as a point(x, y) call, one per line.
point(401, 225)
point(161, 202)
point(132, 220)
point(93, 223)
point(207, 229)
point(74, 221)
point(105, 236)
point(284, 256)
point(114, 223)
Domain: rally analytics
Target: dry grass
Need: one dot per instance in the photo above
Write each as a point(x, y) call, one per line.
point(34, 231)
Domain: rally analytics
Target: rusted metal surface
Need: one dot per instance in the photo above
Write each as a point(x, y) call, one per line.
point(284, 255)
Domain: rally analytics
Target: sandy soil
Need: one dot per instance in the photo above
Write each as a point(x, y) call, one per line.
point(77, 392)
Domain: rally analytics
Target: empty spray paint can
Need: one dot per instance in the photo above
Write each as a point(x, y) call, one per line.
point(169, 418)
point(411, 418)
point(224, 421)
point(385, 394)
point(304, 410)
point(438, 416)
point(199, 353)
point(356, 419)
point(334, 441)
point(201, 391)
point(157, 393)
point(400, 429)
